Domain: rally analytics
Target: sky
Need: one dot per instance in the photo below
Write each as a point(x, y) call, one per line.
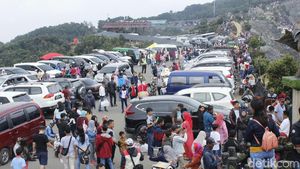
point(18, 17)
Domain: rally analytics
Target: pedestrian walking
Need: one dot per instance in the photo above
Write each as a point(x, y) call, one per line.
point(39, 147)
point(69, 150)
point(91, 132)
point(150, 125)
point(111, 89)
point(111, 132)
point(123, 97)
point(188, 126)
point(102, 95)
point(82, 150)
point(143, 63)
point(210, 161)
point(89, 100)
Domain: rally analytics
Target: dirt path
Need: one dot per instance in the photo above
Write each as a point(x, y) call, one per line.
point(238, 28)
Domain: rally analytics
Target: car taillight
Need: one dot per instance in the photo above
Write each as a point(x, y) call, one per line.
point(48, 96)
point(128, 111)
point(228, 76)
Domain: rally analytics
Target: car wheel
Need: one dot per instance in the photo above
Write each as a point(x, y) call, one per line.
point(138, 129)
point(4, 156)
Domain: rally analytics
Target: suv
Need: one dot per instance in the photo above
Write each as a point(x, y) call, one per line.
point(45, 94)
point(109, 69)
point(77, 88)
point(10, 97)
point(69, 60)
point(13, 79)
point(18, 120)
point(32, 67)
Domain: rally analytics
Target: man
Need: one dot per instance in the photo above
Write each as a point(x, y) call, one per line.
point(62, 125)
point(102, 95)
point(89, 100)
point(234, 114)
point(111, 88)
point(67, 95)
point(134, 79)
point(39, 147)
point(209, 159)
point(69, 142)
point(177, 115)
point(110, 130)
point(208, 120)
point(158, 133)
point(279, 109)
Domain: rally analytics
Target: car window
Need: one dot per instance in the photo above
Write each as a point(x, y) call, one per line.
point(45, 67)
point(32, 77)
point(32, 112)
point(143, 106)
point(21, 98)
point(164, 106)
point(218, 96)
point(18, 118)
point(178, 80)
point(35, 90)
point(21, 80)
point(22, 89)
point(3, 100)
point(53, 89)
point(196, 80)
point(19, 71)
point(3, 124)
point(108, 70)
point(215, 80)
point(202, 97)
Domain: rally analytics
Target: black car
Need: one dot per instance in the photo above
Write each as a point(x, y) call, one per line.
point(77, 88)
point(92, 85)
point(135, 113)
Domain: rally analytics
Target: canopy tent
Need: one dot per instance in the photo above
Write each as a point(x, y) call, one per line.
point(152, 46)
point(156, 46)
point(49, 56)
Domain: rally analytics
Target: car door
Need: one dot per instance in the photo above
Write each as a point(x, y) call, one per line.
point(163, 109)
point(20, 124)
point(203, 97)
point(35, 120)
point(6, 132)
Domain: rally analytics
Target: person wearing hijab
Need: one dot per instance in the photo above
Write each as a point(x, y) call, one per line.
point(199, 140)
point(91, 132)
point(196, 159)
point(222, 129)
point(188, 126)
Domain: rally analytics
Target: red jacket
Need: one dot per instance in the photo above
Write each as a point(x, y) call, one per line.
point(142, 88)
point(104, 143)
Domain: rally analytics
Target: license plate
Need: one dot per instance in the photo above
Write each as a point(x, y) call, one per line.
point(58, 97)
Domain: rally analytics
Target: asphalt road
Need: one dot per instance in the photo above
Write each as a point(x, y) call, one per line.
point(113, 113)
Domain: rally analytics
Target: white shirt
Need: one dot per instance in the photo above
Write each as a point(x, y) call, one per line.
point(149, 120)
point(123, 94)
point(279, 110)
point(216, 136)
point(285, 126)
point(102, 91)
point(65, 143)
point(178, 142)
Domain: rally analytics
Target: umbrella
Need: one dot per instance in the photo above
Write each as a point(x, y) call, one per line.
point(49, 56)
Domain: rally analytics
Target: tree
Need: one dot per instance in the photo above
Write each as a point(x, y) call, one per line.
point(255, 42)
point(285, 66)
point(261, 63)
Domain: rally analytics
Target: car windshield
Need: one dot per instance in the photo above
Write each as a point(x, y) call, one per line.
point(108, 69)
point(19, 71)
point(22, 98)
point(89, 82)
point(45, 67)
point(32, 77)
point(53, 88)
point(2, 80)
point(96, 60)
point(64, 84)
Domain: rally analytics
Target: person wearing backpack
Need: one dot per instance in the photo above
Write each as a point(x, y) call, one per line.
point(83, 150)
point(262, 134)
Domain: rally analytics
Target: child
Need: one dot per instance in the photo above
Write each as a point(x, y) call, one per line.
point(178, 141)
point(122, 146)
point(18, 162)
point(285, 125)
point(216, 136)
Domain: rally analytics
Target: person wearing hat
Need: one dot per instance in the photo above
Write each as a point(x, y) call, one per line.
point(132, 155)
point(210, 161)
point(39, 147)
point(89, 101)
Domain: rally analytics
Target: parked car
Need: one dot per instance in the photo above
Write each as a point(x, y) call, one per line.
point(209, 94)
point(45, 94)
point(179, 80)
point(55, 64)
point(100, 56)
point(209, 62)
point(123, 58)
point(13, 70)
point(212, 54)
point(69, 61)
point(92, 85)
point(18, 120)
point(93, 60)
point(111, 68)
point(132, 52)
point(10, 97)
point(14, 79)
point(32, 67)
point(135, 113)
point(77, 88)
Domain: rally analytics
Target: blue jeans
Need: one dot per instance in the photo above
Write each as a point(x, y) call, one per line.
point(87, 166)
point(68, 106)
point(108, 161)
point(263, 159)
point(150, 143)
point(123, 102)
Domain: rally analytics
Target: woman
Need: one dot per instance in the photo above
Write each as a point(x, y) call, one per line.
point(255, 131)
point(95, 119)
point(188, 126)
point(196, 159)
point(123, 97)
point(222, 129)
point(199, 113)
point(91, 132)
point(83, 147)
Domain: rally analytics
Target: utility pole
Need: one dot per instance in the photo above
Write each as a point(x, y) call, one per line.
point(214, 8)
